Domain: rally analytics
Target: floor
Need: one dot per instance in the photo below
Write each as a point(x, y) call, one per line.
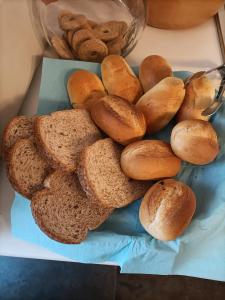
point(50, 280)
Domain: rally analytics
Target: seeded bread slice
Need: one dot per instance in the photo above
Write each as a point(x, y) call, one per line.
point(102, 179)
point(19, 127)
point(62, 210)
point(27, 169)
point(63, 134)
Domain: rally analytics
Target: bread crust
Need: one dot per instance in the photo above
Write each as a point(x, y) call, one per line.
point(119, 79)
point(195, 141)
point(167, 209)
point(149, 159)
point(152, 70)
point(89, 188)
point(11, 171)
point(57, 190)
point(8, 128)
point(119, 119)
point(55, 162)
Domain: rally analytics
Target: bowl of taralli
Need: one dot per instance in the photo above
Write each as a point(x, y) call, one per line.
point(90, 30)
point(127, 136)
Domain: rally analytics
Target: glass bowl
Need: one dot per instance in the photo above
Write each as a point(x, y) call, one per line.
point(130, 14)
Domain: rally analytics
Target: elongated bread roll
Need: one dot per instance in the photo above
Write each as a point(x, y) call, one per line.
point(119, 119)
point(152, 70)
point(81, 85)
point(200, 93)
point(167, 209)
point(161, 103)
point(149, 159)
point(119, 79)
point(195, 141)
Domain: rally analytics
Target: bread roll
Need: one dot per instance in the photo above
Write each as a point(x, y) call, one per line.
point(161, 103)
point(195, 141)
point(149, 159)
point(119, 79)
point(152, 70)
point(167, 209)
point(81, 84)
point(200, 94)
point(180, 14)
point(119, 119)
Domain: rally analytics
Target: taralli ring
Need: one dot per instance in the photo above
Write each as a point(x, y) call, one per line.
point(61, 47)
point(93, 50)
point(105, 32)
point(120, 26)
point(92, 23)
point(69, 36)
point(71, 21)
point(80, 36)
point(115, 46)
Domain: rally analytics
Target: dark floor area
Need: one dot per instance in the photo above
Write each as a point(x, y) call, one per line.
point(30, 279)
point(147, 287)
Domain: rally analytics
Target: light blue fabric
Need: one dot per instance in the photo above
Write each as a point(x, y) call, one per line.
point(199, 252)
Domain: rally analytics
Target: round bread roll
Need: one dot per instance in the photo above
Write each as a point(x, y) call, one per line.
point(149, 159)
point(195, 141)
point(152, 70)
point(119, 79)
point(200, 94)
point(180, 14)
point(161, 103)
point(81, 84)
point(167, 209)
point(119, 119)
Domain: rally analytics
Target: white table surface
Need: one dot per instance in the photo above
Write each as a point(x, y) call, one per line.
point(191, 50)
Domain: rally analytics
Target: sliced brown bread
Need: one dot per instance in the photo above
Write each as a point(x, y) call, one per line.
point(63, 134)
point(27, 169)
point(19, 127)
point(62, 210)
point(102, 179)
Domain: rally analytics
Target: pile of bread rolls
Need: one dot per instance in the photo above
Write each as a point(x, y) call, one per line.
point(126, 108)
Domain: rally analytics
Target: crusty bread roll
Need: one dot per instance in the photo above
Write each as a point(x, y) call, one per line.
point(180, 14)
point(119, 119)
point(81, 84)
point(152, 70)
point(161, 103)
point(195, 141)
point(149, 159)
point(167, 209)
point(119, 79)
point(199, 95)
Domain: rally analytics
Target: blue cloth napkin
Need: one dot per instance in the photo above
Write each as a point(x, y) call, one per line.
point(199, 252)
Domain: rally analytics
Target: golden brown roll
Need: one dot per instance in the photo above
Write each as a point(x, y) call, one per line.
point(81, 84)
point(200, 94)
point(119, 119)
point(119, 79)
point(149, 159)
point(161, 103)
point(167, 209)
point(180, 14)
point(152, 70)
point(195, 141)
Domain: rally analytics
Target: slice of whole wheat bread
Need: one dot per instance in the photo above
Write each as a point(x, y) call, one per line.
point(19, 127)
point(102, 179)
point(27, 169)
point(62, 210)
point(63, 134)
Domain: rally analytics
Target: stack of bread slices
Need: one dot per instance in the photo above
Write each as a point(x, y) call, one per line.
point(71, 175)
